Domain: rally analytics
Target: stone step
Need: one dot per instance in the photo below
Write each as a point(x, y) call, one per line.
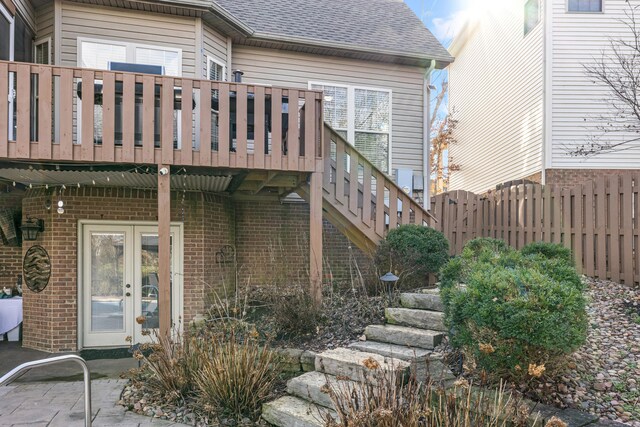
point(315, 387)
point(356, 365)
point(401, 352)
point(423, 319)
point(422, 301)
point(290, 411)
point(403, 335)
point(425, 364)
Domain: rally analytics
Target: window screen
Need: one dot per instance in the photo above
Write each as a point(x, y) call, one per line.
point(585, 5)
point(23, 41)
point(216, 71)
point(531, 15)
point(5, 38)
point(42, 55)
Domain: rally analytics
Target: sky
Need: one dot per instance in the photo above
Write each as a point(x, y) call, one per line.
point(442, 17)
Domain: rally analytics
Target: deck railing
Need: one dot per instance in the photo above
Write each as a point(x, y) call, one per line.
point(84, 115)
point(364, 194)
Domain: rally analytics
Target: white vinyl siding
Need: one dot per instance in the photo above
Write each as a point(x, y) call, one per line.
point(496, 93)
point(578, 103)
point(293, 69)
point(121, 25)
point(215, 46)
point(45, 26)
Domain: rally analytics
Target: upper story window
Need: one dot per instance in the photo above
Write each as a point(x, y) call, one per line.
point(215, 70)
point(531, 15)
point(362, 116)
point(585, 6)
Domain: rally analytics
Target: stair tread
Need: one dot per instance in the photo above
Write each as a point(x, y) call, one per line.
point(417, 318)
point(404, 335)
point(356, 365)
point(291, 411)
point(397, 351)
point(422, 301)
point(312, 387)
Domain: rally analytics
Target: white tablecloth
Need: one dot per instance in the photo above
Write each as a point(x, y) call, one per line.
point(10, 314)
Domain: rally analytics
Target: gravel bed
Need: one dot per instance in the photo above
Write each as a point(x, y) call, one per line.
point(603, 377)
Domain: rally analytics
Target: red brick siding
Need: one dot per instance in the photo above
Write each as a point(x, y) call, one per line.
point(570, 177)
point(10, 256)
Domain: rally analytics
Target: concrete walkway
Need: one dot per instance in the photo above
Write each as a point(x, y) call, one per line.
point(52, 396)
point(61, 404)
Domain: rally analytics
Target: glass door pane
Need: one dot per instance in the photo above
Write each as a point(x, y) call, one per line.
point(146, 274)
point(108, 282)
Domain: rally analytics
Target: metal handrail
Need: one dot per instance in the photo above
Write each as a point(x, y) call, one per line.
point(17, 371)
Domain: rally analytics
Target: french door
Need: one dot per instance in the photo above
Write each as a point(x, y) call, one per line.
point(120, 282)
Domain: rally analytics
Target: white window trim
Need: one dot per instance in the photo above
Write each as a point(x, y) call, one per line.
point(211, 59)
point(130, 47)
point(37, 43)
point(579, 12)
point(130, 55)
point(351, 110)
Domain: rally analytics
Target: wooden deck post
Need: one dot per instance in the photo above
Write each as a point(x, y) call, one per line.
point(164, 248)
point(315, 236)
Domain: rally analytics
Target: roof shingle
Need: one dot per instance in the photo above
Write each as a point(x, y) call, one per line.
point(387, 26)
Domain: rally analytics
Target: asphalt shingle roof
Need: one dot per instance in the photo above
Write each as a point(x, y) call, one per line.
point(387, 26)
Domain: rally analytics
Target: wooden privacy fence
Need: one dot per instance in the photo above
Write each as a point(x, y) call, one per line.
point(598, 220)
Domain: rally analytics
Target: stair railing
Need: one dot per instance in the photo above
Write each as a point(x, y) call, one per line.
point(19, 370)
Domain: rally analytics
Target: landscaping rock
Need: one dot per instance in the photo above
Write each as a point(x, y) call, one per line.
point(423, 319)
point(308, 360)
point(291, 359)
point(290, 411)
point(403, 335)
point(357, 365)
point(422, 301)
point(391, 350)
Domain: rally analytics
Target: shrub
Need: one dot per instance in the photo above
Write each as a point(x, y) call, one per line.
point(479, 245)
point(548, 250)
point(384, 403)
point(236, 375)
point(412, 252)
point(515, 312)
point(295, 313)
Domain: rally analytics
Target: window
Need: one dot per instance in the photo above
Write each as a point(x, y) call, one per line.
point(215, 70)
point(98, 54)
point(23, 39)
point(531, 15)
point(362, 116)
point(6, 34)
point(585, 6)
point(42, 52)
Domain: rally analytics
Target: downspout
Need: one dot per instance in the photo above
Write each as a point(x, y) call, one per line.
point(426, 146)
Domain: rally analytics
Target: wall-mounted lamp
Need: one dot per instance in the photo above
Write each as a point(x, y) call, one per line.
point(31, 228)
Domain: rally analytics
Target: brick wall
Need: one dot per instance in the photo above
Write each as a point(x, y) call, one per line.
point(570, 177)
point(270, 241)
point(51, 316)
point(10, 256)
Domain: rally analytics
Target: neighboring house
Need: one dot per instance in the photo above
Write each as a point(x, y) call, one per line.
point(523, 100)
point(159, 177)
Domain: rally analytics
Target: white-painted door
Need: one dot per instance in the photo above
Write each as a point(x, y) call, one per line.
point(120, 282)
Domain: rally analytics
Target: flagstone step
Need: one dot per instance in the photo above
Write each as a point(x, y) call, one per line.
point(422, 301)
point(315, 387)
point(425, 364)
point(291, 411)
point(423, 319)
point(356, 365)
point(403, 335)
point(401, 352)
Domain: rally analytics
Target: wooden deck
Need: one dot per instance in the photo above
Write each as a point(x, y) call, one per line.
point(67, 114)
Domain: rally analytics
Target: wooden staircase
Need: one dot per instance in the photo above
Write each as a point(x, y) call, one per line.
point(359, 199)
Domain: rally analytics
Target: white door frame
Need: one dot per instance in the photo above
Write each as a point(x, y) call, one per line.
point(131, 263)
